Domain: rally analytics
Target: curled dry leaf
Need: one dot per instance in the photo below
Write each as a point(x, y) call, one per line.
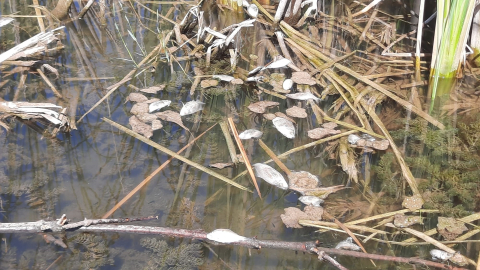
point(450, 228)
point(284, 126)
point(156, 125)
point(250, 134)
point(225, 236)
point(171, 116)
point(403, 221)
point(191, 107)
point(208, 83)
point(157, 105)
point(270, 175)
point(304, 180)
point(221, 165)
point(153, 89)
point(303, 96)
point(347, 245)
point(139, 108)
point(413, 203)
point(297, 112)
point(136, 97)
point(269, 116)
point(301, 77)
point(261, 106)
point(140, 127)
point(284, 116)
point(310, 200)
point(293, 215)
point(146, 117)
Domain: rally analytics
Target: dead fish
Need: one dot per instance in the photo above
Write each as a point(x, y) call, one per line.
point(250, 134)
point(252, 10)
point(191, 107)
point(353, 138)
point(284, 126)
point(270, 175)
point(281, 63)
point(255, 79)
point(440, 255)
point(303, 96)
point(255, 71)
point(347, 245)
point(157, 105)
point(225, 78)
point(310, 200)
point(225, 236)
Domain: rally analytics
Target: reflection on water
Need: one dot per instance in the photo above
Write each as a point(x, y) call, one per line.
point(85, 173)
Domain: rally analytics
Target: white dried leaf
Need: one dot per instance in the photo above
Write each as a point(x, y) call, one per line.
point(284, 126)
point(270, 175)
point(347, 245)
point(303, 96)
point(157, 105)
point(440, 255)
point(311, 200)
point(191, 107)
point(250, 134)
point(225, 236)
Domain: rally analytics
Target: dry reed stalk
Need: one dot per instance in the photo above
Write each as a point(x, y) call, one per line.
point(312, 223)
point(274, 157)
point(244, 155)
point(38, 12)
point(149, 177)
point(47, 81)
point(228, 139)
point(389, 214)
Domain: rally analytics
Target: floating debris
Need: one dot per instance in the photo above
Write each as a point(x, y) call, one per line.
point(250, 134)
point(301, 77)
point(261, 106)
point(287, 84)
point(310, 200)
point(440, 255)
point(403, 221)
point(221, 165)
point(139, 108)
point(347, 245)
point(450, 228)
point(413, 203)
point(157, 105)
point(140, 127)
point(153, 89)
point(353, 138)
point(208, 83)
point(284, 126)
point(297, 112)
point(270, 175)
point(303, 96)
point(293, 215)
point(191, 107)
point(225, 236)
point(136, 97)
point(171, 116)
point(303, 179)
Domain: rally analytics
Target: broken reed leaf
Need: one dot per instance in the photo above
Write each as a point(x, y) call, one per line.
point(296, 112)
point(153, 89)
point(270, 175)
point(140, 127)
point(303, 96)
point(303, 180)
point(225, 236)
point(208, 83)
point(403, 221)
point(157, 105)
point(310, 200)
point(136, 97)
point(284, 116)
point(284, 126)
point(347, 245)
point(450, 228)
point(139, 108)
point(171, 116)
point(250, 134)
point(261, 106)
point(191, 107)
point(221, 165)
point(301, 77)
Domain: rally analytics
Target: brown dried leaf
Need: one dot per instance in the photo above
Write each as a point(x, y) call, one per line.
point(413, 203)
point(403, 221)
point(152, 100)
point(330, 125)
point(293, 215)
point(261, 106)
point(146, 117)
point(221, 165)
point(208, 83)
point(140, 127)
point(302, 77)
point(319, 133)
point(156, 125)
point(136, 97)
point(297, 112)
point(139, 108)
point(153, 89)
point(284, 116)
point(450, 228)
point(171, 116)
point(302, 179)
point(269, 116)
point(236, 81)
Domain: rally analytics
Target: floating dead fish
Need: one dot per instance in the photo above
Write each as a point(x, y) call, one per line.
point(250, 134)
point(303, 96)
point(284, 126)
point(368, 137)
point(225, 236)
point(347, 245)
point(270, 175)
point(191, 107)
point(252, 10)
point(310, 200)
point(440, 255)
point(287, 84)
point(281, 63)
point(157, 105)
point(255, 79)
point(255, 71)
point(353, 138)
point(225, 78)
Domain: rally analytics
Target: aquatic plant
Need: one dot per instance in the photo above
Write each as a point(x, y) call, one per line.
point(183, 257)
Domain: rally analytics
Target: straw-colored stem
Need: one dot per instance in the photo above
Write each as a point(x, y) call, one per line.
point(274, 157)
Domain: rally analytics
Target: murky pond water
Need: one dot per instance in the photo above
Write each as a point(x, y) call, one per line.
point(84, 173)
